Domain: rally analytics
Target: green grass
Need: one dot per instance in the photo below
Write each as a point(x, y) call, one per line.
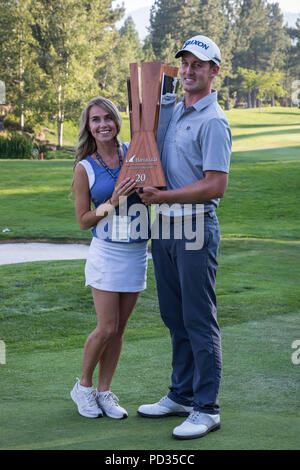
point(55, 311)
point(248, 126)
point(261, 200)
point(259, 414)
point(46, 312)
point(45, 329)
point(37, 200)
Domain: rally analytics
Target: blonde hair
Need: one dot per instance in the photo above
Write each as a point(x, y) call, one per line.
point(86, 142)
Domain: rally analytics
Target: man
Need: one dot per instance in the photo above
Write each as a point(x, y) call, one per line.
point(195, 156)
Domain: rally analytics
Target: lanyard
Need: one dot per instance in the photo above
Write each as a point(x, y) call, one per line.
point(106, 167)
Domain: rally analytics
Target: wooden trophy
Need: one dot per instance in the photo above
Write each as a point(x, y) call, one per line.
point(142, 161)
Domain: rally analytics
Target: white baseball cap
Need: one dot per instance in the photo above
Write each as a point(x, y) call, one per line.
point(202, 47)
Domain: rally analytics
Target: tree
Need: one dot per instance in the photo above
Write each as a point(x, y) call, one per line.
point(127, 50)
point(209, 20)
point(270, 86)
point(18, 67)
point(227, 43)
point(56, 29)
point(147, 51)
point(267, 85)
point(292, 79)
point(252, 47)
point(294, 61)
point(168, 51)
point(250, 82)
point(175, 18)
point(277, 38)
point(67, 33)
point(260, 40)
point(104, 37)
point(172, 22)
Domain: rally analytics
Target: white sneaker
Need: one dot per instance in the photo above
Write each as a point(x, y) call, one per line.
point(164, 407)
point(86, 401)
point(197, 425)
point(108, 402)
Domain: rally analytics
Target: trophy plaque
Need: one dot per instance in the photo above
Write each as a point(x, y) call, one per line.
point(146, 86)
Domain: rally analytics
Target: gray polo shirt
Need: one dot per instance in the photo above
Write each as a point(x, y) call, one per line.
point(195, 139)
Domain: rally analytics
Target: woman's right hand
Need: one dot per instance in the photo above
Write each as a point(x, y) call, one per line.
point(124, 188)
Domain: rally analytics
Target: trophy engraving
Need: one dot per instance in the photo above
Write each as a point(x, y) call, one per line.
point(146, 86)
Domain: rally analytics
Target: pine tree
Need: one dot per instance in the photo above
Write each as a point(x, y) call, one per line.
point(103, 38)
point(175, 18)
point(173, 22)
point(226, 42)
point(277, 39)
point(127, 50)
point(210, 20)
point(168, 50)
point(252, 31)
point(252, 46)
point(292, 79)
point(147, 51)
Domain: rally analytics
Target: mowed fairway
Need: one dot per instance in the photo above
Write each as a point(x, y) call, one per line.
point(46, 313)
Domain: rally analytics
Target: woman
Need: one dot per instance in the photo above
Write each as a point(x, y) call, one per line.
point(116, 264)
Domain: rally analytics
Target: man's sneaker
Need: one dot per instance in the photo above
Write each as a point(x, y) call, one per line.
point(86, 401)
point(164, 407)
point(109, 404)
point(197, 425)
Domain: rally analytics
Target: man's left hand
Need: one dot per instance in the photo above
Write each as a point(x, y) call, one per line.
point(150, 195)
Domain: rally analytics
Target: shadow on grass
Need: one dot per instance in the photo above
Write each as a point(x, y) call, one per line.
point(255, 126)
point(276, 154)
point(292, 113)
point(264, 134)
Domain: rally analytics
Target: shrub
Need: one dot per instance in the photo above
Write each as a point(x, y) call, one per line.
point(16, 146)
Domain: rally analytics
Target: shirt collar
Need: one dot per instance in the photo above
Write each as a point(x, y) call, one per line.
point(203, 102)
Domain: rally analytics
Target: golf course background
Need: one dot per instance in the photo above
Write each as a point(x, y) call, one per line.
point(46, 312)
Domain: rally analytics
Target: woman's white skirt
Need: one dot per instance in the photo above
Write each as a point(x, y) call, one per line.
point(116, 267)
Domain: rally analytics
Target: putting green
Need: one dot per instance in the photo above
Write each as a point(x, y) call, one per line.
point(259, 395)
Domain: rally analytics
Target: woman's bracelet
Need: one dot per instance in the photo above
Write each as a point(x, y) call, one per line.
point(110, 202)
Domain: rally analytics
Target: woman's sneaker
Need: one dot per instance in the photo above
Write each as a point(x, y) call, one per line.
point(108, 402)
point(86, 401)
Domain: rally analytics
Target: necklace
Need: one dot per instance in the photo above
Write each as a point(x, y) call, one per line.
point(106, 167)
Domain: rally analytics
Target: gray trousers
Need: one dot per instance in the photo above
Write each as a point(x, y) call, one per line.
point(186, 292)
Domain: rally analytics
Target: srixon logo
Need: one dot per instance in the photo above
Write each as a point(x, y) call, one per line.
point(197, 43)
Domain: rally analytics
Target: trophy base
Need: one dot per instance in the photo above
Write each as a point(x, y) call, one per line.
point(142, 162)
